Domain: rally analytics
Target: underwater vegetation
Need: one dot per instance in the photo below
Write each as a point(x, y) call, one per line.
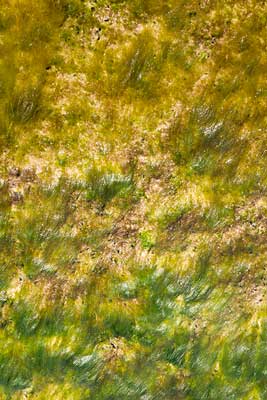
point(133, 204)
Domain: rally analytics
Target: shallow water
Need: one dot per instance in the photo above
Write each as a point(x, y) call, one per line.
point(132, 205)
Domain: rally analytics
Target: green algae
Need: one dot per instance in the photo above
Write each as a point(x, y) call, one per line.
point(133, 228)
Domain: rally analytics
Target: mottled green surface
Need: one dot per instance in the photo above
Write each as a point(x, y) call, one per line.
point(133, 204)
